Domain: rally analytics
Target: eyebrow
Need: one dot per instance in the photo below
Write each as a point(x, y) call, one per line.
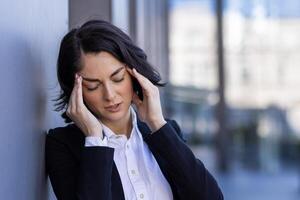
point(97, 80)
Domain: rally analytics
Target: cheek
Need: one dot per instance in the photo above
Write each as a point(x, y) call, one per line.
point(92, 99)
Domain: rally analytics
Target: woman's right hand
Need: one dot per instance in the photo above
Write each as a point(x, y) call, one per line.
point(79, 113)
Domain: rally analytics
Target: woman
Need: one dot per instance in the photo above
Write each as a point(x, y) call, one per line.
point(111, 151)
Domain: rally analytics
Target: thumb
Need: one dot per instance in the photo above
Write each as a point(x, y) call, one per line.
point(136, 100)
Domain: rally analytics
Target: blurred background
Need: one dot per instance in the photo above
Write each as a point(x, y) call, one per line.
point(232, 72)
point(234, 89)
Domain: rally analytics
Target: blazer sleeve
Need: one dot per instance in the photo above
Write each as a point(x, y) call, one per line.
point(192, 180)
point(88, 180)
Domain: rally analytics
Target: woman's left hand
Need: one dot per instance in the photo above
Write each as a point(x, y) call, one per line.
point(149, 110)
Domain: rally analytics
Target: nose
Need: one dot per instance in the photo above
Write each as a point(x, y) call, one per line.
point(109, 92)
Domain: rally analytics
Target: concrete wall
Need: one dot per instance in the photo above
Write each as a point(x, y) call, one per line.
point(30, 32)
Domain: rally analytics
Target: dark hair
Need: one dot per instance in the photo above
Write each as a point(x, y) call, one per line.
point(95, 36)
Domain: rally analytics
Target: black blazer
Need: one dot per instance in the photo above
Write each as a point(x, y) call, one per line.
point(89, 173)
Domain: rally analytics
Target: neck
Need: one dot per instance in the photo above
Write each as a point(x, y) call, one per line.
point(122, 126)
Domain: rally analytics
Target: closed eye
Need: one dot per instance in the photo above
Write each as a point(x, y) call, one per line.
point(90, 89)
point(94, 88)
point(119, 80)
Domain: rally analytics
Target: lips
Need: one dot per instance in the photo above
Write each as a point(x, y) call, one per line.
point(113, 108)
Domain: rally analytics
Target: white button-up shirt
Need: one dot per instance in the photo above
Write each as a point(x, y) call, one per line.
point(140, 174)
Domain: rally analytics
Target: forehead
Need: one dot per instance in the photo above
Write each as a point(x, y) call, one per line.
point(99, 64)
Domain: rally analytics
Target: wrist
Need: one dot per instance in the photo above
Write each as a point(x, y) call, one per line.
point(154, 125)
point(94, 133)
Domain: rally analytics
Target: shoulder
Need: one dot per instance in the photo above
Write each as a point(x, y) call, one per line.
point(174, 124)
point(69, 134)
point(63, 130)
point(63, 142)
point(146, 132)
point(177, 128)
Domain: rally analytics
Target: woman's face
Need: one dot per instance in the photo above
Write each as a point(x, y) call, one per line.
point(106, 87)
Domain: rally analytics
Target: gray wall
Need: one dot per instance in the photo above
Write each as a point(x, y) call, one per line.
point(30, 32)
point(29, 37)
point(81, 11)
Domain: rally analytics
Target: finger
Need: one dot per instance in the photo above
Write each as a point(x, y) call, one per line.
point(130, 71)
point(79, 99)
point(144, 82)
point(72, 102)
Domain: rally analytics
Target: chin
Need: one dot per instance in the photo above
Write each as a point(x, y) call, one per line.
point(114, 116)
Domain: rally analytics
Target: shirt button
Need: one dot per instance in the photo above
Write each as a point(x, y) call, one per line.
point(141, 195)
point(127, 146)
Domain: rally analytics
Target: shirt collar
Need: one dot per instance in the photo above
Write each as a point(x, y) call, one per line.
point(111, 135)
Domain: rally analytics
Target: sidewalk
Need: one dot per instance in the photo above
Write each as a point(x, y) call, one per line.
point(241, 184)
